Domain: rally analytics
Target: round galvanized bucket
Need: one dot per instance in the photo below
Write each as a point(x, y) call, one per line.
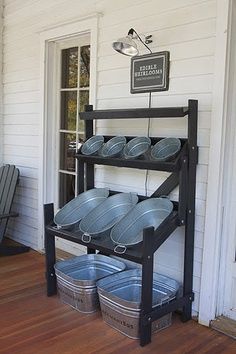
point(166, 149)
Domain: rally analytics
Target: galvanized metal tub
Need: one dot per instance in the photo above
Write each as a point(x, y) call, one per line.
point(120, 299)
point(129, 230)
point(77, 277)
point(71, 213)
point(92, 145)
point(106, 215)
point(136, 147)
point(113, 147)
point(166, 149)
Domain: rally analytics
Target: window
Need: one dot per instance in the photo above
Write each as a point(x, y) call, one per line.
point(73, 95)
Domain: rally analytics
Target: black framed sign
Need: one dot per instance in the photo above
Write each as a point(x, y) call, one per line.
point(150, 72)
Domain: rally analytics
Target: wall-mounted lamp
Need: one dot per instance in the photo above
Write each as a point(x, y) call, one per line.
point(128, 46)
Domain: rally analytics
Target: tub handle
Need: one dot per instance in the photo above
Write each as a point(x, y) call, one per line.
point(120, 249)
point(86, 238)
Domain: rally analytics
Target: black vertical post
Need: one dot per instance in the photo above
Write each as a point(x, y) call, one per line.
point(145, 329)
point(190, 217)
point(50, 251)
point(89, 167)
point(80, 177)
point(183, 189)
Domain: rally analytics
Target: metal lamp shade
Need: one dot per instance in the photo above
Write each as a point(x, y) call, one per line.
point(126, 46)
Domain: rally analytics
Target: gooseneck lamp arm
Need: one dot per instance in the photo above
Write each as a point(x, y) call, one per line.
point(147, 39)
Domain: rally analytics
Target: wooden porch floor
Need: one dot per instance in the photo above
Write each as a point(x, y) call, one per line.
point(30, 322)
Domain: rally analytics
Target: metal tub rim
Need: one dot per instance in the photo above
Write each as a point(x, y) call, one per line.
point(106, 262)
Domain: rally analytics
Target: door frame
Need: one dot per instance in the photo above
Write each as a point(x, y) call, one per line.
point(88, 24)
point(214, 258)
point(223, 303)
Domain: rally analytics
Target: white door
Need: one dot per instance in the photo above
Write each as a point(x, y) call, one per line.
point(228, 259)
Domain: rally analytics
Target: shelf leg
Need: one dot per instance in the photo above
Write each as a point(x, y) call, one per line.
point(190, 214)
point(145, 330)
point(50, 253)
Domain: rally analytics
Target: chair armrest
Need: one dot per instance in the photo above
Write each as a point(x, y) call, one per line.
point(5, 216)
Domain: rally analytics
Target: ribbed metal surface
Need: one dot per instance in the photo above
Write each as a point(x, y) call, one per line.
point(113, 147)
point(120, 297)
point(107, 214)
point(136, 147)
point(79, 207)
point(166, 149)
point(150, 212)
point(92, 145)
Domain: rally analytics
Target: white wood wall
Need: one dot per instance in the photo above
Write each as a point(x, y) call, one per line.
point(184, 27)
point(1, 90)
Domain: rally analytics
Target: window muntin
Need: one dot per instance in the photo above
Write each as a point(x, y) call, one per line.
point(74, 94)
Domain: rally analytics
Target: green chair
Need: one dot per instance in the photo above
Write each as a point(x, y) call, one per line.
point(9, 177)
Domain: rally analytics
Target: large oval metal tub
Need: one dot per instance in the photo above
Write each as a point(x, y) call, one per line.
point(71, 213)
point(129, 231)
point(107, 215)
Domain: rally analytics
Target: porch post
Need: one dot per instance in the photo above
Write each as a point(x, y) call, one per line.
point(212, 233)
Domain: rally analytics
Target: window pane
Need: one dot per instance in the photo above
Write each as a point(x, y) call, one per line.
point(68, 110)
point(69, 68)
point(84, 66)
point(67, 151)
point(66, 188)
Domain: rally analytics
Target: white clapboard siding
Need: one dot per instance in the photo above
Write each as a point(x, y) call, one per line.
point(21, 130)
point(21, 86)
point(22, 119)
point(25, 140)
point(186, 28)
point(26, 200)
point(180, 51)
point(26, 211)
point(146, 10)
point(161, 20)
point(189, 32)
point(179, 68)
point(21, 97)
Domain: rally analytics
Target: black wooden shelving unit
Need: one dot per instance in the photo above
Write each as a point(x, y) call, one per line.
point(183, 173)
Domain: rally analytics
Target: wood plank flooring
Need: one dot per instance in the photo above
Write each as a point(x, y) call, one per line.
point(32, 323)
point(225, 325)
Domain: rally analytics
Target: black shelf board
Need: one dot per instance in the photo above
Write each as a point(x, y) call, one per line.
point(105, 245)
point(164, 112)
point(143, 164)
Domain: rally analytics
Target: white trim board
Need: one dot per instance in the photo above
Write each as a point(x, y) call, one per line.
point(224, 304)
point(214, 205)
point(47, 37)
